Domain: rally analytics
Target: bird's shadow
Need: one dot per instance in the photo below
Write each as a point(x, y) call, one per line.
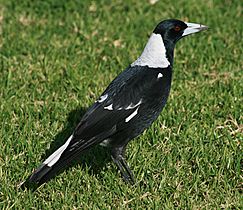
point(95, 159)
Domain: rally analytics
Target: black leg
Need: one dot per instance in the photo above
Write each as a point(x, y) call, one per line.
point(118, 156)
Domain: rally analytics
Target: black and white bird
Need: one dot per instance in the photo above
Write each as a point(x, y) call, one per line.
point(129, 105)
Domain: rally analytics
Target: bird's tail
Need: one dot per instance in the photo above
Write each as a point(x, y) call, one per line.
point(54, 164)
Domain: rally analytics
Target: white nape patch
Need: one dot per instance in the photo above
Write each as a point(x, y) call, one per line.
point(132, 115)
point(105, 143)
point(159, 75)
point(54, 157)
point(154, 53)
point(132, 106)
point(103, 98)
point(108, 107)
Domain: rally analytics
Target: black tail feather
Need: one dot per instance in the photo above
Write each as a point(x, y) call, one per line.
point(71, 153)
point(35, 179)
point(44, 173)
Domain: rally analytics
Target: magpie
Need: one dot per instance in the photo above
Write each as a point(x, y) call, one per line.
point(128, 106)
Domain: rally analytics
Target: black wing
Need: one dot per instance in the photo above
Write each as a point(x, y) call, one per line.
point(135, 88)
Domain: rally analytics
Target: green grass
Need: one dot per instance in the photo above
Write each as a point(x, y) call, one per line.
point(58, 56)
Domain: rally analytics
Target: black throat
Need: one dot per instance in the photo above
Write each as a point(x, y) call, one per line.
point(169, 47)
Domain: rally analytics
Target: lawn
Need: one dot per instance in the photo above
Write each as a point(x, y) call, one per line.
point(56, 58)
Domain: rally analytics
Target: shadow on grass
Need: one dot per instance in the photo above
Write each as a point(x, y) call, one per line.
point(95, 158)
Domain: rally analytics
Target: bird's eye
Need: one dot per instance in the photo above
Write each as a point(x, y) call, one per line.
point(177, 28)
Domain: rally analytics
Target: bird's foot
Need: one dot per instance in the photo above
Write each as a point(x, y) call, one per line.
point(120, 161)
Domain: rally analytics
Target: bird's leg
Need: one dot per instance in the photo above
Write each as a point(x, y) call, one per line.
point(118, 156)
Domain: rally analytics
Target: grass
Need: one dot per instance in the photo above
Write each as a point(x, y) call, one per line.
point(56, 57)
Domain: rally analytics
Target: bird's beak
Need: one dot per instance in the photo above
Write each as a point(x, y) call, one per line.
point(193, 28)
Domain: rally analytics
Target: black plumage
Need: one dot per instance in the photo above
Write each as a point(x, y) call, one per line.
point(128, 106)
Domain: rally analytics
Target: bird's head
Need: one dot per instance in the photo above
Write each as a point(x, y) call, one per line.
point(159, 51)
point(172, 30)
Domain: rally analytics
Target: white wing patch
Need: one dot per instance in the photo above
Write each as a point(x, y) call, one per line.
point(108, 107)
point(105, 143)
point(132, 106)
point(54, 157)
point(159, 75)
point(154, 54)
point(103, 98)
point(131, 116)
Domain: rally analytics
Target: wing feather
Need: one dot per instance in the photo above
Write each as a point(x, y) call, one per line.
point(124, 95)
